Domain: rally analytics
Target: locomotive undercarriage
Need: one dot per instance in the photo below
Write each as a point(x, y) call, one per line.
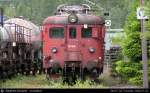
point(16, 60)
point(73, 71)
point(71, 74)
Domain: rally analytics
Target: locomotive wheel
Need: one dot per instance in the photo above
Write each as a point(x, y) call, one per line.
point(82, 73)
point(65, 75)
point(94, 74)
point(73, 75)
point(69, 75)
point(73, 78)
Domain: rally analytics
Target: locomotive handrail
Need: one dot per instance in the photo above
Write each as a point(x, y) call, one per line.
point(63, 8)
point(60, 6)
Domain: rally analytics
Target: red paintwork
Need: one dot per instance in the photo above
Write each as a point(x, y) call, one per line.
point(73, 49)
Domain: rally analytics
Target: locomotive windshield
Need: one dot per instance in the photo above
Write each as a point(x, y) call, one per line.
point(72, 32)
point(86, 32)
point(56, 32)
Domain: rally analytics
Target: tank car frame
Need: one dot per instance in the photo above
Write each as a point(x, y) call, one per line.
point(16, 54)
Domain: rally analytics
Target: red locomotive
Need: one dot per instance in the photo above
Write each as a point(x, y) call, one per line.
point(73, 43)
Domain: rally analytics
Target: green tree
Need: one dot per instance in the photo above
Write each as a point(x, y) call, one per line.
point(37, 10)
point(132, 43)
point(132, 71)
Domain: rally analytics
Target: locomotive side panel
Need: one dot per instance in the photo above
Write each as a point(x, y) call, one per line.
point(92, 48)
point(53, 46)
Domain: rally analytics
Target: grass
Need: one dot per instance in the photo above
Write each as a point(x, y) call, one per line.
point(41, 82)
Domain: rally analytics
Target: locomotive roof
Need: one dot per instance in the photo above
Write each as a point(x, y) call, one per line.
point(82, 19)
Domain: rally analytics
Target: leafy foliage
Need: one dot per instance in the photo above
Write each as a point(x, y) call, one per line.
point(128, 69)
point(37, 10)
point(132, 43)
point(132, 71)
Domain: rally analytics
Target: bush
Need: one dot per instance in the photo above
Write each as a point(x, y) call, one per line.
point(135, 80)
point(128, 70)
point(131, 71)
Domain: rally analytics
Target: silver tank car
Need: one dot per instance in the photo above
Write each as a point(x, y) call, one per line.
point(4, 36)
point(29, 28)
point(20, 48)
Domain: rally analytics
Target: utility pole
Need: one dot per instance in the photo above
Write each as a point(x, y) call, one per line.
point(144, 51)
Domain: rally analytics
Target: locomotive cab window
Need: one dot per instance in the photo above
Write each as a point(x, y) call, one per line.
point(72, 32)
point(86, 32)
point(56, 32)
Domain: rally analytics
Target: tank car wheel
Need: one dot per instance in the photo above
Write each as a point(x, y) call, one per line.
point(15, 71)
point(10, 71)
point(5, 75)
point(34, 73)
point(40, 70)
point(1, 71)
point(47, 73)
point(22, 69)
point(18, 69)
point(27, 71)
point(33, 70)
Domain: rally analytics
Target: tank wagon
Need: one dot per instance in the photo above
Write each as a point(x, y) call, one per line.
point(73, 43)
point(20, 48)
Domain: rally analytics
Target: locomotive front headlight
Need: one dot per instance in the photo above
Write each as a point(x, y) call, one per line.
point(54, 50)
point(72, 18)
point(92, 50)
